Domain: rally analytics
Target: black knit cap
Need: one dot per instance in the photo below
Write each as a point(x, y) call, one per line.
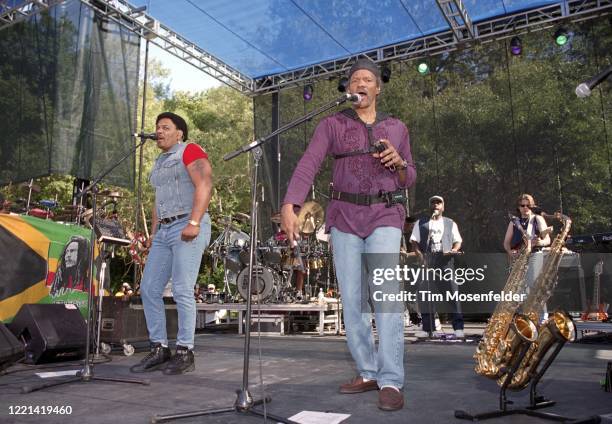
point(178, 121)
point(364, 63)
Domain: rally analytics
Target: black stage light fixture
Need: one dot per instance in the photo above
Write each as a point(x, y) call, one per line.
point(343, 83)
point(307, 94)
point(385, 74)
point(516, 47)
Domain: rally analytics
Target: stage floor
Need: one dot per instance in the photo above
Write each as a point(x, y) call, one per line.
point(303, 372)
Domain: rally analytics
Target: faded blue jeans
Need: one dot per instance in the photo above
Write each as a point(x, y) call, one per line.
point(387, 365)
point(170, 257)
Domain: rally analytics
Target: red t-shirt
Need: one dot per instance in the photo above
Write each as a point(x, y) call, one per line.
point(193, 152)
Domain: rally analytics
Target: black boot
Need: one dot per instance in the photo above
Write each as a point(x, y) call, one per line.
point(182, 361)
point(155, 360)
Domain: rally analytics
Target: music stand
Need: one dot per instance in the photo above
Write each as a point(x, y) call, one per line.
point(244, 402)
point(86, 374)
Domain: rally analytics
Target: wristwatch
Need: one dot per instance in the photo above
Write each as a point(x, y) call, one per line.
point(403, 166)
point(194, 223)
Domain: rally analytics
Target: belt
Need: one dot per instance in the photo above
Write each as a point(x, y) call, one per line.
point(172, 218)
point(366, 199)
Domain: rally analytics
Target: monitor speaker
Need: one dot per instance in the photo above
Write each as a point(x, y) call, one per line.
point(11, 349)
point(50, 332)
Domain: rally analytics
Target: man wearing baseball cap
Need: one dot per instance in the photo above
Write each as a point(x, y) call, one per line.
point(436, 240)
point(372, 168)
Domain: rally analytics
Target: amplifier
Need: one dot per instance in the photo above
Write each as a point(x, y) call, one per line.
point(124, 322)
point(110, 231)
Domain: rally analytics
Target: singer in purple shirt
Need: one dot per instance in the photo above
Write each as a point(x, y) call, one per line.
point(372, 167)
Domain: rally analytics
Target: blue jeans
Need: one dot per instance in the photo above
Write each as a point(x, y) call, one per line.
point(170, 257)
point(387, 365)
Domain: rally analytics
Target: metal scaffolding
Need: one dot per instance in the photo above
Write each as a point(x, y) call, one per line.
point(489, 30)
point(462, 31)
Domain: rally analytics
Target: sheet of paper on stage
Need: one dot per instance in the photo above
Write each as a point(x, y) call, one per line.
point(317, 417)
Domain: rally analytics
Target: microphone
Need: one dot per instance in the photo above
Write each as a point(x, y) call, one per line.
point(353, 97)
point(584, 89)
point(435, 214)
point(150, 136)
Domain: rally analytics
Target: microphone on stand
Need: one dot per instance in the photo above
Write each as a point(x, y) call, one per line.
point(584, 89)
point(435, 214)
point(144, 136)
point(353, 97)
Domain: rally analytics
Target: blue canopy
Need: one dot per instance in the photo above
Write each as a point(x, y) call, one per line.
point(267, 37)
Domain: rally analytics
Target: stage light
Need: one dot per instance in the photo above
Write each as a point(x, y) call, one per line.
point(385, 74)
point(516, 47)
point(343, 82)
point(561, 37)
point(423, 68)
point(308, 92)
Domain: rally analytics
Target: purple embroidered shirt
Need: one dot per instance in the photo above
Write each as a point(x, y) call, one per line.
point(344, 132)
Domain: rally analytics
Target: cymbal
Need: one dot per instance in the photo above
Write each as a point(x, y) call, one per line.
point(109, 193)
point(242, 217)
point(72, 207)
point(310, 217)
point(276, 218)
point(26, 185)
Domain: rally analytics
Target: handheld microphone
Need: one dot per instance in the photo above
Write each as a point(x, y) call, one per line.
point(584, 89)
point(144, 136)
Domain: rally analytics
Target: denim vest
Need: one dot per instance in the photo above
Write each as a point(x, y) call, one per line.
point(447, 235)
point(173, 186)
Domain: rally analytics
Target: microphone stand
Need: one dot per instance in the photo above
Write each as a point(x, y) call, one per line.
point(244, 401)
point(86, 373)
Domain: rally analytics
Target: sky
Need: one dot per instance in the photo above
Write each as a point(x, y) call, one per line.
point(183, 76)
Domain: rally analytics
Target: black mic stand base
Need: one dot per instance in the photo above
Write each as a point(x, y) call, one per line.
point(81, 377)
point(244, 404)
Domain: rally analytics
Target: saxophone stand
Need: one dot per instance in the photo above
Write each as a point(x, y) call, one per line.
point(535, 401)
point(244, 402)
point(86, 374)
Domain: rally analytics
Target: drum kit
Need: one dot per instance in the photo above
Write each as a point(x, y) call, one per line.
point(276, 261)
point(51, 209)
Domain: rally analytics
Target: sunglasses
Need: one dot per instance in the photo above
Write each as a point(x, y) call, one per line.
point(525, 206)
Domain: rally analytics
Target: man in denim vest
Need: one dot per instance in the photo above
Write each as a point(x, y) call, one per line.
point(436, 241)
point(182, 178)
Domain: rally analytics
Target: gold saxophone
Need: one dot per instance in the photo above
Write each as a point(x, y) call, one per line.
point(506, 331)
point(559, 328)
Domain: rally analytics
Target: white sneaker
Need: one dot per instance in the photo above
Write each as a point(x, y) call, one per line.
point(459, 334)
point(437, 334)
point(421, 334)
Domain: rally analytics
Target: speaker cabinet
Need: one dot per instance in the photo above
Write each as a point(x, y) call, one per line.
point(11, 349)
point(51, 332)
point(124, 322)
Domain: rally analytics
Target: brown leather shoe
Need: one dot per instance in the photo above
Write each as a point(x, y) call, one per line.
point(390, 399)
point(357, 385)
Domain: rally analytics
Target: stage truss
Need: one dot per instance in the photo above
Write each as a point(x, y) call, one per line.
point(462, 33)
